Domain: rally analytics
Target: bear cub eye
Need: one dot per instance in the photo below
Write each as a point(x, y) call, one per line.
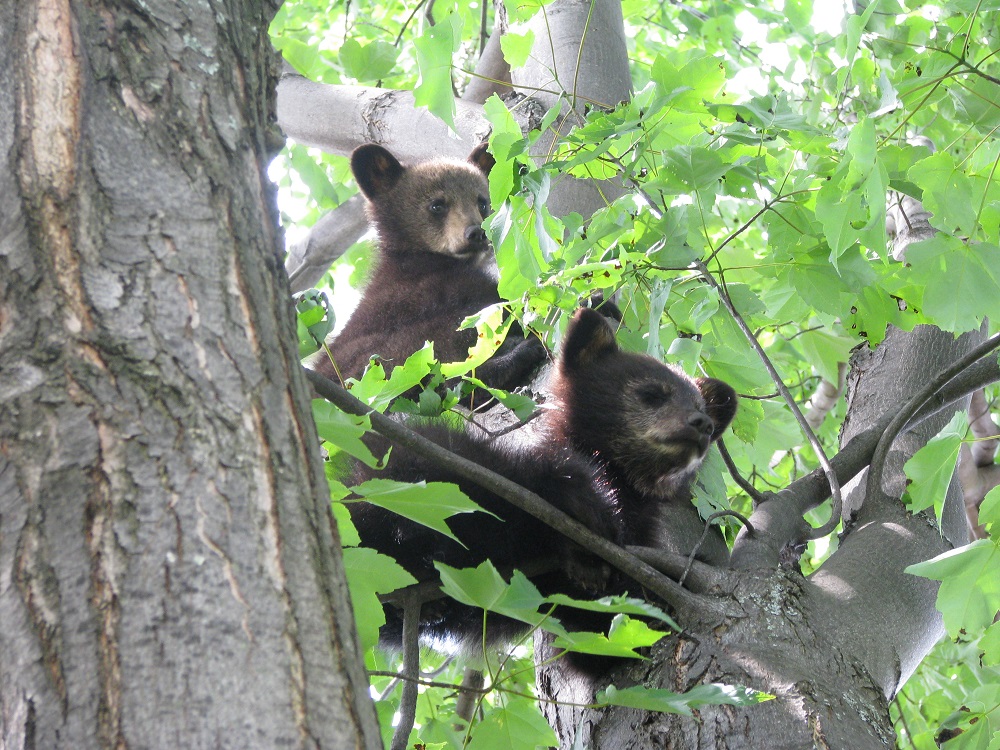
point(653, 394)
point(438, 206)
point(484, 206)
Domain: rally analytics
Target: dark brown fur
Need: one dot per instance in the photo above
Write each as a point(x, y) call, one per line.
point(435, 267)
point(618, 451)
point(510, 538)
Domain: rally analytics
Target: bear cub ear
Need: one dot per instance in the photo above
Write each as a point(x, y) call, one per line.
point(482, 159)
point(588, 338)
point(720, 403)
point(375, 169)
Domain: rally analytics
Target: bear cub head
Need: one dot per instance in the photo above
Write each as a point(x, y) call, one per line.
point(432, 207)
point(647, 422)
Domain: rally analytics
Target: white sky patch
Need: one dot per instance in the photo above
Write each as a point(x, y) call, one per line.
point(828, 16)
point(750, 81)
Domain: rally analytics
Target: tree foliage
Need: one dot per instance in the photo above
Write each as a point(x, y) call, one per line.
point(761, 153)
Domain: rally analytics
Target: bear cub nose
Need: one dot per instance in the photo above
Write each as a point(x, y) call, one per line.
point(701, 422)
point(475, 233)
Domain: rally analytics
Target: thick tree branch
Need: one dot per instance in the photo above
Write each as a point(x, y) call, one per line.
point(329, 238)
point(339, 118)
point(779, 521)
point(905, 415)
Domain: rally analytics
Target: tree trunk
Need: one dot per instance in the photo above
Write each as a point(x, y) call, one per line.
point(167, 574)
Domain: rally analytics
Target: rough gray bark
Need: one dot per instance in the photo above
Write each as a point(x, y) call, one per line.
point(167, 565)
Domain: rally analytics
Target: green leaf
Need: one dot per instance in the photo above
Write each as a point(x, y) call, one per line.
point(314, 321)
point(369, 574)
point(427, 503)
point(303, 57)
point(616, 604)
point(492, 325)
point(517, 725)
point(624, 636)
point(799, 14)
point(818, 283)
point(969, 596)
point(855, 27)
point(313, 175)
point(961, 282)
point(435, 48)
point(825, 351)
point(349, 536)
point(989, 645)
point(375, 390)
point(931, 468)
point(989, 509)
point(517, 47)
point(979, 100)
point(698, 168)
point(665, 701)
point(343, 430)
point(485, 588)
point(947, 193)
point(839, 214)
point(747, 422)
point(506, 142)
point(369, 63)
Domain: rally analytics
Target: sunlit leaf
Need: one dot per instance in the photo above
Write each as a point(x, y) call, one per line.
point(435, 48)
point(969, 597)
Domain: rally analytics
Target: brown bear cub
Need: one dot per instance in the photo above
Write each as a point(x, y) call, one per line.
point(646, 425)
point(621, 442)
point(435, 267)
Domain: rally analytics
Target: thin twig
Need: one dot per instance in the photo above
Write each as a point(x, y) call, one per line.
point(409, 675)
point(745, 485)
point(831, 475)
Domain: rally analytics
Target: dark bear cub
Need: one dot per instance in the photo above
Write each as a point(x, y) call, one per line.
point(435, 267)
point(618, 449)
point(647, 426)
